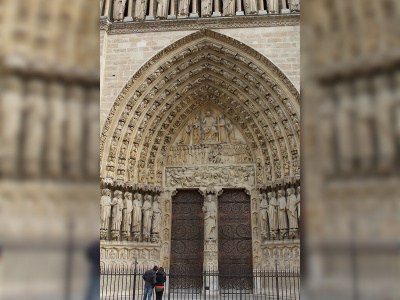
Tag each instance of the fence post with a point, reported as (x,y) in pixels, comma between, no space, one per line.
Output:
(134,282)
(205,283)
(277,281)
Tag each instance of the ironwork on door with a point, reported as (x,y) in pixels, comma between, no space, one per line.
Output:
(234,242)
(187,241)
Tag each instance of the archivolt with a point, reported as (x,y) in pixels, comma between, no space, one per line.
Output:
(204,67)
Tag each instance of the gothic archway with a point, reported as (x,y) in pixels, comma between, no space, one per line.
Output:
(173,91)
(204,67)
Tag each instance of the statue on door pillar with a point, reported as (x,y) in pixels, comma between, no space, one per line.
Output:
(210,218)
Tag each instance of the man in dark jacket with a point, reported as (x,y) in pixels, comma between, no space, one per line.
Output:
(150,281)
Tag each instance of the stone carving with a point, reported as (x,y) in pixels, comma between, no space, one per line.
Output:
(127,215)
(264,216)
(206,8)
(119,9)
(229,7)
(250,7)
(183,7)
(210,218)
(117,206)
(140,14)
(120,98)
(137,216)
(162,9)
(298,203)
(105,212)
(273,6)
(282,215)
(156,219)
(284,255)
(209,154)
(147,215)
(210,132)
(231,176)
(273,214)
(292,212)
(294,5)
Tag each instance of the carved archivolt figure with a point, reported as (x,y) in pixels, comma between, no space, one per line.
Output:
(264,215)
(147,214)
(187,134)
(183,7)
(210,131)
(119,9)
(140,10)
(127,213)
(250,6)
(117,206)
(229,7)
(105,209)
(196,130)
(282,215)
(273,6)
(156,216)
(230,132)
(273,212)
(294,5)
(221,129)
(210,218)
(162,9)
(137,214)
(292,209)
(206,8)
(298,203)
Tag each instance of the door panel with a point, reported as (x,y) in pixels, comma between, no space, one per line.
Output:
(187,241)
(234,241)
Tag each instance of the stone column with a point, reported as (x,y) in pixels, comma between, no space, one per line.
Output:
(262,10)
(129,16)
(194,13)
(151,11)
(166,207)
(239,11)
(172,14)
(217,9)
(284,9)
(107,9)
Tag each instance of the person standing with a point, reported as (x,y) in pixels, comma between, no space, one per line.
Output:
(150,280)
(161,278)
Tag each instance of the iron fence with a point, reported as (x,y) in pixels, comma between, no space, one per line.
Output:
(126,283)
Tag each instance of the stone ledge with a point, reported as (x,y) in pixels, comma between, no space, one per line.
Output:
(199,23)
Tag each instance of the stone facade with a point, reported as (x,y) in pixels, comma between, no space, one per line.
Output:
(205,107)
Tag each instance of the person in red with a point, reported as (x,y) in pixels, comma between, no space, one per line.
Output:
(161,278)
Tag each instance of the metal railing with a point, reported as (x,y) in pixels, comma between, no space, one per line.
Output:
(127,283)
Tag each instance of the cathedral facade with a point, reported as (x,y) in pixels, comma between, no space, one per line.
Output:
(200,142)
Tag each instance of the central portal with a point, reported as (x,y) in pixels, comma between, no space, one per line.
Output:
(187,242)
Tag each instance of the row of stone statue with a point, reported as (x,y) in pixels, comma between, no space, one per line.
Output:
(209,130)
(138,9)
(129,219)
(46,122)
(280,217)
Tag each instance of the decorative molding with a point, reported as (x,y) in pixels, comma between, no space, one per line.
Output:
(200,23)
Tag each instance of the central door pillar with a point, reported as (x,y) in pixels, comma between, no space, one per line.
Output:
(210,264)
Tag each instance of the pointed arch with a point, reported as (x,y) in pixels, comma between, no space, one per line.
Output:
(204,67)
